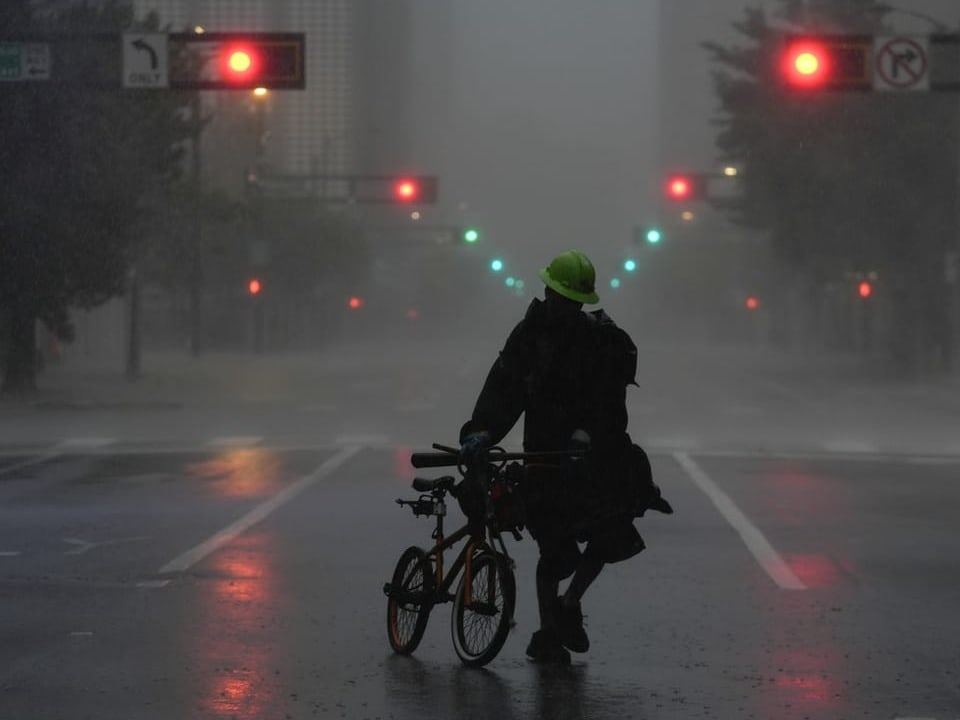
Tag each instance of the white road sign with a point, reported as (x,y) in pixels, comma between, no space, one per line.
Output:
(901,62)
(146,62)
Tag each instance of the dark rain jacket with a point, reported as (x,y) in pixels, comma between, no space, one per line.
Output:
(563,377)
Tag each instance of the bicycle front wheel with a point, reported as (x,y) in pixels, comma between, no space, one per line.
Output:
(409,600)
(480,623)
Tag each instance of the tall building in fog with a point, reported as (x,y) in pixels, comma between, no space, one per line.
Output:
(356,113)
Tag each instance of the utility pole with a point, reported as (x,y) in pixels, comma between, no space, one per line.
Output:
(195,273)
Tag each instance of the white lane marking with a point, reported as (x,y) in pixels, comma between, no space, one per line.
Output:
(86,442)
(194,555)
(81,634)
(39,460)
(851,445)
(375,440)
(153,583)
(9,553)
(82,546)
(234,441)
(756,543)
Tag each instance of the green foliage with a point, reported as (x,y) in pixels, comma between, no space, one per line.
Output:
(842,181)
(78,166)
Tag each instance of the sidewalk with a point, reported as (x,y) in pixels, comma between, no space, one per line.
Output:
(177,379)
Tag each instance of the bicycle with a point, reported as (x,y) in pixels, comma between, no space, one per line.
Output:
(485,598)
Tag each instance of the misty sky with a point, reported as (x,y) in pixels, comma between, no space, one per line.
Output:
(555,134)
(556,122)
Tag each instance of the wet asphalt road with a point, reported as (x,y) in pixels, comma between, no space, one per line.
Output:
(208,562)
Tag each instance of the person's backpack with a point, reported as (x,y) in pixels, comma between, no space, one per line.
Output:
(617,349)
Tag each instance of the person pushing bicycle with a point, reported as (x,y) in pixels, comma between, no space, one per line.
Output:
(567,372)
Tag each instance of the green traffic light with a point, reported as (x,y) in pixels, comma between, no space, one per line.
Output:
(654,236)
(630,265)
(614,283)
(471,235)
(496,265)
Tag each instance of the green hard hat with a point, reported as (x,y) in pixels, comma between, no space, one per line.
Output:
(572,275)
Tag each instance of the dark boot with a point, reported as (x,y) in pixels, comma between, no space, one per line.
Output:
(545,647)
(572,633)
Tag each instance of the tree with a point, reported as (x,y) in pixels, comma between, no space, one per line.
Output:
(77,166)
(841,181)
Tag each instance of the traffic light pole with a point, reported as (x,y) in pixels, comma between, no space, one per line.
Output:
(196,229)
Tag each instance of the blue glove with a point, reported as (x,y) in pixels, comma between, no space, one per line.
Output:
(473,446)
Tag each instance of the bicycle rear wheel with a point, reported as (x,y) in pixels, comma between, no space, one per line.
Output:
(409,600)
(480,626)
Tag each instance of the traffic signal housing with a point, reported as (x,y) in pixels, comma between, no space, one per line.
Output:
(238,61)
(827,62)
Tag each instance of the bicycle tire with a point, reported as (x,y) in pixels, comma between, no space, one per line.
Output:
(410,600)
(480,629)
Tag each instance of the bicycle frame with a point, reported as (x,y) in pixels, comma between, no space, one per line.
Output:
(489,537)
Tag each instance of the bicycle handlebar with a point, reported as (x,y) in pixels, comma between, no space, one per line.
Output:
(450,457)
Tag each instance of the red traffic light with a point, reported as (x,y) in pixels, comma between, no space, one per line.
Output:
(806,64)
(683,187)
(254,286)
(865,289)
(406,190)
(752,303)
(827,62)
(355,302)
(239,61)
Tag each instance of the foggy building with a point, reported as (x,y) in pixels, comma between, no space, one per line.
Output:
(357,113)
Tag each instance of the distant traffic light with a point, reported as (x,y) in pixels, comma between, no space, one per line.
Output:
(355,302)
(254,287)
(496,264)
(410,189)
(684,187)
(653,236)
(238,61)
(614,283)
(629,264)
(865,289)
(406,189)
(471,235)
(752,303)
(827,62)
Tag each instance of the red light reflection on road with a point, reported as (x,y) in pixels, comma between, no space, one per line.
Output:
(815,571)
(233,649)
(240,472)
(802,660)
(812,688)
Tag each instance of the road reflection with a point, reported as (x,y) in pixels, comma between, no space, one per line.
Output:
(240,472)
(233,650)
(804,668)
(417,689)
(517,690)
